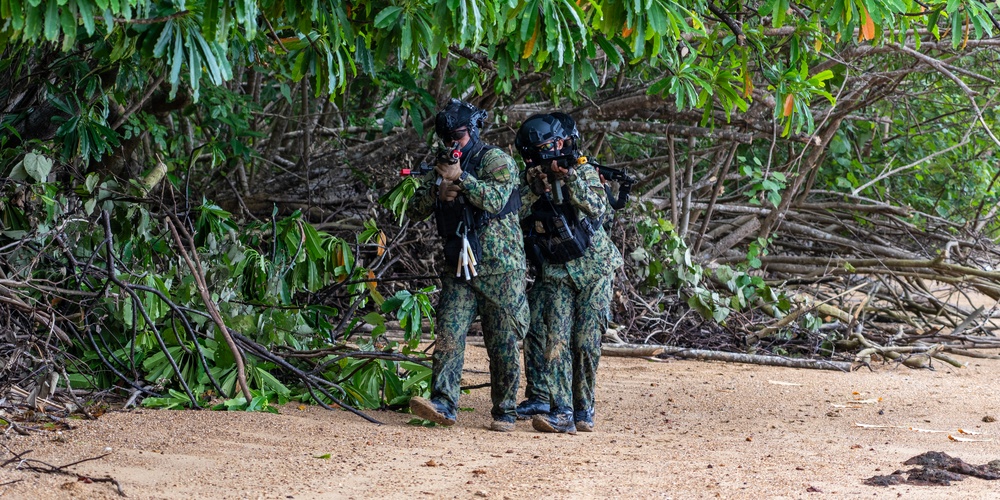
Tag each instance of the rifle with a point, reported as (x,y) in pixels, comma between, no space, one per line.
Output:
(624,180)
(421,169)
(566,161)
(443,155)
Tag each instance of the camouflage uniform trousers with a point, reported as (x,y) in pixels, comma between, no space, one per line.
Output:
(536,386)
(576,319)
(500,301)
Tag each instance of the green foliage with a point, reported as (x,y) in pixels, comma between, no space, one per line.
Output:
(201,43)
(174,400)
(397,198)
(83,127)
(33,166)
(664,262)
(149,321)
(411,98)
(689,82)
(931,158)
(411,310)
(373,383)
(260,402)
(795,91)
(811,322)
(230,65)
(763,185)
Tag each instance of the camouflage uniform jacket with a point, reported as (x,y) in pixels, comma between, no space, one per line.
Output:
(488,189)
(587,194)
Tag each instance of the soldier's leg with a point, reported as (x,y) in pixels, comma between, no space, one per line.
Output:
(558,349)
(503,309)
(455,312)
(591,320)
(559,356)
(536,390)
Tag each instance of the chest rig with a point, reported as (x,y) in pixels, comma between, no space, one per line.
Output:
(459,220)
(554,232)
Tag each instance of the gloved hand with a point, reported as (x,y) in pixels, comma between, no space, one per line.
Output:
(560,172)
(448,191)
(449,171)
(538,180)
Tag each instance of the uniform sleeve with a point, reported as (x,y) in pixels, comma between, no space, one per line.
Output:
(586,192)
(422,204)
(528,197)
(496,179)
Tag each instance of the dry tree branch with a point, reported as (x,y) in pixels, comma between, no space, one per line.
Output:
(42,467)
(112,277)
(757,359)
(213,310)
(940,66)
(138,104)
(311,381)
(884,175)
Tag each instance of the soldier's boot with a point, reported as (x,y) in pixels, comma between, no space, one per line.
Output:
(554,422)
(531,407)
(503,424)
(431,410)
(584,420)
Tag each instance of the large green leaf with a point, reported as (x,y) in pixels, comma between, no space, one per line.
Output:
(52,20)
(387,16)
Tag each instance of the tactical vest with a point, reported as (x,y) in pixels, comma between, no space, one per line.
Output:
(555,233)
(460,217)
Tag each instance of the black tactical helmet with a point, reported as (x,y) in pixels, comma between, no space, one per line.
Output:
(572,139)
(458,114)
(568,124)
(538,129)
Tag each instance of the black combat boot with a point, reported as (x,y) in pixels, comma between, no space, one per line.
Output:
(554,422)
(530,407)
(584,420)
(503,424)
(433,411)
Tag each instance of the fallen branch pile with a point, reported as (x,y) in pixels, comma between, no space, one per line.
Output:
(881,286)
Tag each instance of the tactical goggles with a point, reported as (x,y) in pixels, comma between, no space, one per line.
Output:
(546,147)
(458,134)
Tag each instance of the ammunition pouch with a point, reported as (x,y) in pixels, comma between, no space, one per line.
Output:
(555,234)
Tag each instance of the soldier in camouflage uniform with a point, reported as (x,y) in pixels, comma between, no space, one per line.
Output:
(577,270)
(536,394)
(475,198)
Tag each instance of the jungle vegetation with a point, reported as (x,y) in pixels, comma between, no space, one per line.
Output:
(200,204)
